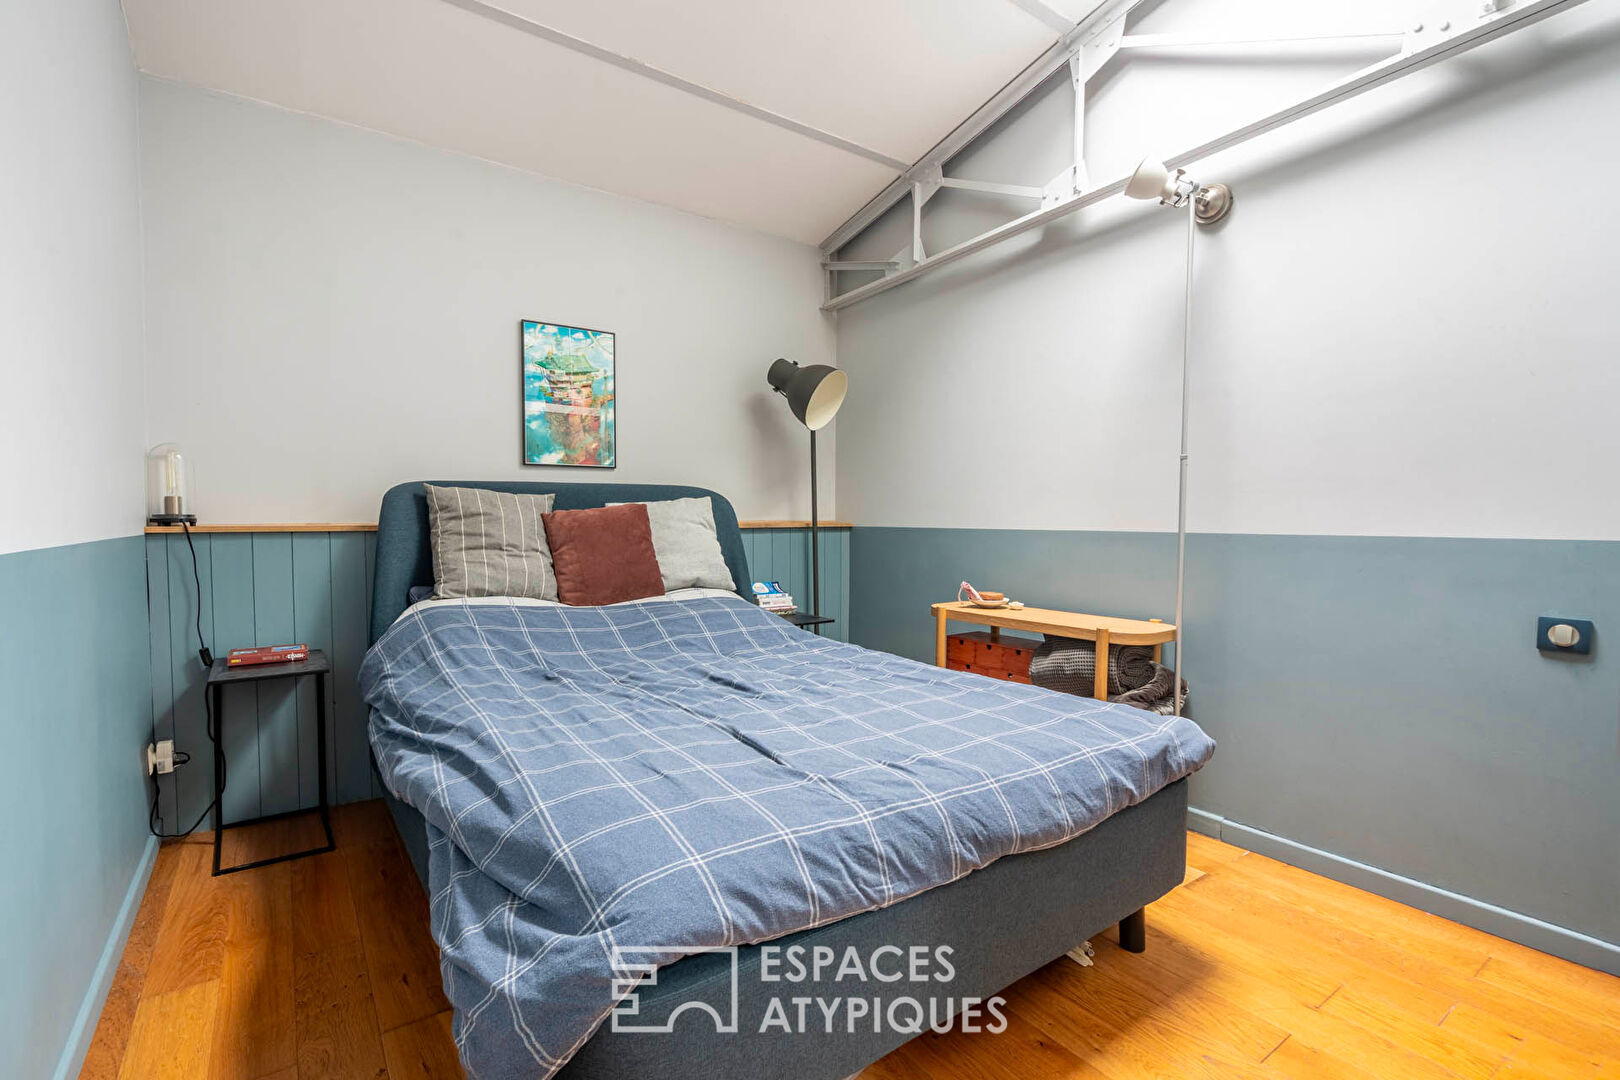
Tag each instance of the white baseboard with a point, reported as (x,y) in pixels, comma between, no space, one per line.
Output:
(1527,930)
(95,996)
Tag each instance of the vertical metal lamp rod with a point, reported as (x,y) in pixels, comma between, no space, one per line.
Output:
(815,537)
(1181,511)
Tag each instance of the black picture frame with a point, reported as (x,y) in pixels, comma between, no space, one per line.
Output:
(554,425)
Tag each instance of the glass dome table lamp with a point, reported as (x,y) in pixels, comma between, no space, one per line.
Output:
(168,486)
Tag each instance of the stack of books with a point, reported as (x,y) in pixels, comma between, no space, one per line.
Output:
(267,654)
(772,597)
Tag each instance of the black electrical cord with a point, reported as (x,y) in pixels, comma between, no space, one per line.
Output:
(202,646)
(181,756)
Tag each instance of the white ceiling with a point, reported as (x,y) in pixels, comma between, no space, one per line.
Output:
(830,96)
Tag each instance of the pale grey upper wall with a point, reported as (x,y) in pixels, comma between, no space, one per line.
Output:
(1404,328)
(332,311)
(70,278)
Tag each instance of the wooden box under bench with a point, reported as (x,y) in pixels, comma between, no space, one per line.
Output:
(999,656)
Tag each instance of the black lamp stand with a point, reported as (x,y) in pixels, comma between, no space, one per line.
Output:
(815,537)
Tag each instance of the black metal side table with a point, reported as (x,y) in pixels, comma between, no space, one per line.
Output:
(222,675)
(806,621)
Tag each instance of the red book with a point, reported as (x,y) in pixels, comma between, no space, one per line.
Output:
(267,654)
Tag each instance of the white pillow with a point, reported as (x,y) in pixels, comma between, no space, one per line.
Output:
(687,544)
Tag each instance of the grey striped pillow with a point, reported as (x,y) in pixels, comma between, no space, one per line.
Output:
(489,543)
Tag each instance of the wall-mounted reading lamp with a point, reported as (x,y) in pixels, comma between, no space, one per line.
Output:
(1152,180)
(1206,204)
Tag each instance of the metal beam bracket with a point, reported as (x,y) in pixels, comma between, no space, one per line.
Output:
(1064,185)
(1447,19)
(1100,49)
(925,184)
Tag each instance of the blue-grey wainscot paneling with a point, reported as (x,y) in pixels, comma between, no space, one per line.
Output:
(73,713)
(1378,701)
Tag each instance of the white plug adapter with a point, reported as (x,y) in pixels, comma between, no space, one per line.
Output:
(160,757)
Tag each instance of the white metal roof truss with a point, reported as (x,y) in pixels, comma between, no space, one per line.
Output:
(1449,28)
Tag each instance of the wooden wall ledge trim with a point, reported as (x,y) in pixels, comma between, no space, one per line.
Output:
(363,526)
(287,527)
(805,524)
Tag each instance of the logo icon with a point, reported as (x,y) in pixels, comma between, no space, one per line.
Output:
(635,970)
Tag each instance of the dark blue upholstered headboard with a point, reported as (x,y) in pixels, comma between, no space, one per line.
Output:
(404,557)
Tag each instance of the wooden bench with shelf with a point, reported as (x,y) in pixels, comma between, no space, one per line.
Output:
(1105,630)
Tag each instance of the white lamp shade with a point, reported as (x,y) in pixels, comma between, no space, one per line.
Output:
(814,393)
(824,403)
(1151,180)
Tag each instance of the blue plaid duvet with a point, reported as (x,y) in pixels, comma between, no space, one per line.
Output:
(698,773)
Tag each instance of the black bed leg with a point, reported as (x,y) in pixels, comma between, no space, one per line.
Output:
(1133,931)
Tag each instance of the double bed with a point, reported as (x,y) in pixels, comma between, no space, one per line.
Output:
(688,787)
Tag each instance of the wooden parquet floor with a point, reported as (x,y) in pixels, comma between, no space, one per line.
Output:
(323,968)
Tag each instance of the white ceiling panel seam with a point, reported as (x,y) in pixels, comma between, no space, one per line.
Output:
(668,78)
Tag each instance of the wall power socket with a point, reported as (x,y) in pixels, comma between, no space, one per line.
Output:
(160,757)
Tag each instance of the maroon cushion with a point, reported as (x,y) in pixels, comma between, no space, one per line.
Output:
(603,556)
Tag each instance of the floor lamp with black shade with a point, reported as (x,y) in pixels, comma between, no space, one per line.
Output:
(814,393)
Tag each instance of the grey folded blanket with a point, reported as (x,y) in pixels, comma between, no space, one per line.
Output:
(1070,666)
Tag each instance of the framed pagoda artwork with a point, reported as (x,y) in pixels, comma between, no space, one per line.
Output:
(567,396)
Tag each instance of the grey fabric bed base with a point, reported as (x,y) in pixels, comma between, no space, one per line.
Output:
(1002,923)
